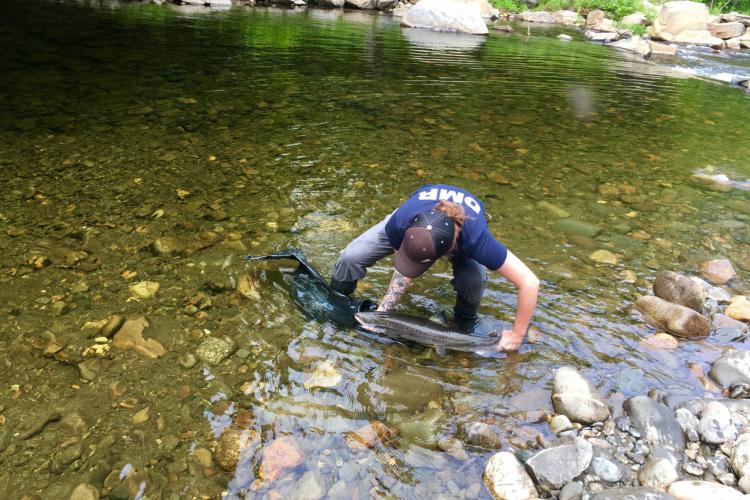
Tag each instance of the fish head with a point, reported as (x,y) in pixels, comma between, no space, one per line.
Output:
(369,321)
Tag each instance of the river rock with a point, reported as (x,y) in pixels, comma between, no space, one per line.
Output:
(674,318)
(506,478)
(655,421)
(715,182)
(634,44)
(740,458)
(85,491)
(679,289)
(658,473)
(578,227)
(726,30)
(553,210)
(130,336)
(482,435)
(235,445)
(595,18)
(662,49)
(661,341)
(732,367)
(335,4)
(324,375)
(603,37)
(557,465)
(144,289)
(168,246)
(702,490)
(716,425)
(739,308)
(635,18)
(537,17)
(606,469)
(572,491)
(702,37)
(718,272)
(576,398)
(689,423)
(311,486)
(560,423)
(446,15)
(370,435)
(281,454)
(214,350)
(422,428)
(634,493)
(567,17)
(605,257)
(676,17)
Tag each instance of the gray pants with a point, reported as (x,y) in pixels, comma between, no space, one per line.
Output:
(469,276)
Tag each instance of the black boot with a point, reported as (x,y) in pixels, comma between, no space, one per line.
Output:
(343,287)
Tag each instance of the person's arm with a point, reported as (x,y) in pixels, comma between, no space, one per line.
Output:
(399,284)
(520,275)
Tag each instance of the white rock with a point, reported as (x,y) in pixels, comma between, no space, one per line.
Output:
(676,17)
(564,37)
(703,490)
(596,36)
(575,397)
(635,18)
(698,37)
(741,456)
(716,425)
(567,17)
(537,17)
(446,15)
(506,478)
(658,473)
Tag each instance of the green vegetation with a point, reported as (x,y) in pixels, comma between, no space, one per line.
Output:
(508,5)
(616,9)
(721,6)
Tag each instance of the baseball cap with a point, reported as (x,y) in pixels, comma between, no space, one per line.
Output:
(428,237)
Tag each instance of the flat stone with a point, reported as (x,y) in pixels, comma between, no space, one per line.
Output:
(599,36)
(144,289)
(689,423)
(662,49)
(634,44)
(130,336)
(716,425)
(661,341)
(506,479)
(556,466)
(679,289)
(576,398)
(635,493)
(726,31)
(85,491)
(605,257)
(718,272)
(718,182)
(674,318)
(696,490)
(655,421)
(577,227)
(560,423)
(739,308)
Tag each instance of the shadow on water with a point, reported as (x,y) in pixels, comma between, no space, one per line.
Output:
(142,144)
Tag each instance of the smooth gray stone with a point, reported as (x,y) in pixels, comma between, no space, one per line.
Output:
(558,465)
(655,421)
(679,289)
(732,367)
(630,494)
(577,227)
(606,470)
(572,491)
(716,424)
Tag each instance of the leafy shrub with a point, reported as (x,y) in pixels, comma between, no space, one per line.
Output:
(508,5)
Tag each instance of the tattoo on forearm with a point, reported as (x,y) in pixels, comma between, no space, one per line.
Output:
(396,289)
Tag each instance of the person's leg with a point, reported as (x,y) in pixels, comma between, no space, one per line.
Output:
(364,251)
(469,281)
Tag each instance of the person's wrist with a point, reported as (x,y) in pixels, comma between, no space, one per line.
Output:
(518,334)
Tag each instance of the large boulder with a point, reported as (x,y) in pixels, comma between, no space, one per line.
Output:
(655,421)
(567,17)
(506,478)
(446,15)
(486,10)
(676,17)
(694,490)
(726,31)
(732,367)
(674,318)
(575,397)
(741,456)
(635,18)
(556,466)
(543,17)
(698,37)
(679,289)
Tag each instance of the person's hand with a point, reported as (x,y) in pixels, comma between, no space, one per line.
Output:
(510,341)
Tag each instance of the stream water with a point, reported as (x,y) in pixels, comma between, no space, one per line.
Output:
(252,130)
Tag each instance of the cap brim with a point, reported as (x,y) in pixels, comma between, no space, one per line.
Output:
(408,267)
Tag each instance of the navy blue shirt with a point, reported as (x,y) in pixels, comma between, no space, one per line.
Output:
(474,241)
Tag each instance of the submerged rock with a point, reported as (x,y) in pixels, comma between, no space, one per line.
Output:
(739,308)
(446,15)
(311,486)
(280,455)
(85,491)
(324,375)
(483,435)
(233,445)
(214,350)
(716,425)
(674,318)
(634,44)
(506,478)
(655,422)
(693,490)
(732,367)
(576,398)
(679,289)
(718,272)
(130,336)
(719,182)
(144,289)
(557,465)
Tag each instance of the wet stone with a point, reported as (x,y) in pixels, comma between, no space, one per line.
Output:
(311,486)
(679,289)
(606,470)
(716,424)
(689,424)
(732,367)
(556,466)
(576,398)
(718,272)
(482,435)
(655,421)
(130,336)
(572,491)
(85,491)
(506,478)
(214,350)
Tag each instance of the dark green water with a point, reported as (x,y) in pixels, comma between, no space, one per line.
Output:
(303,128)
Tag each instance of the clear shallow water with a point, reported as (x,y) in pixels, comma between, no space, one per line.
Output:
(303,128)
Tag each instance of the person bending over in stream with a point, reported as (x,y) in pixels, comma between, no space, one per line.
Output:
(440,220)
